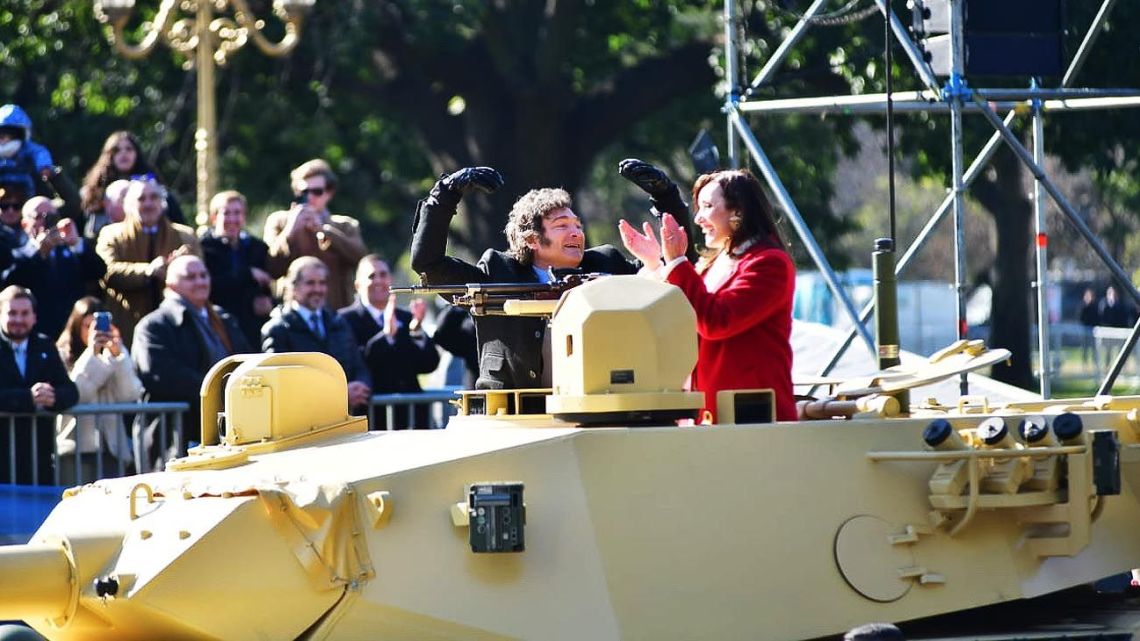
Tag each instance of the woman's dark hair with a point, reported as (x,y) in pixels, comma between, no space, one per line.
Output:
(744,195)
(103,172)
(70,342)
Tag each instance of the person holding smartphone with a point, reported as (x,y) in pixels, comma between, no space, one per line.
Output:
(56,263)
(307,228)
(97,361)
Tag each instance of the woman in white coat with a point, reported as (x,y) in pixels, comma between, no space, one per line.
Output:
(103,371)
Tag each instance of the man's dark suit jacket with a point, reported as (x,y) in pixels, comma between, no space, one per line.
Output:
(510,347)
(43,366)
(289,332)
(393,366)
(455,332)
(57,281)
(172,357)
(231,278)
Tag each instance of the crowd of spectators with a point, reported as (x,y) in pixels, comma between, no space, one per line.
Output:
(87,273)
(1109,311)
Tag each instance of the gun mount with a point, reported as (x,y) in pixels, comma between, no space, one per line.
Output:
(293,522)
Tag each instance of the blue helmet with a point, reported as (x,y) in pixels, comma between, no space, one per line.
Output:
(13,116)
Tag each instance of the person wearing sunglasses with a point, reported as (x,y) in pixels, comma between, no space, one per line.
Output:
(12,198)
(307,228)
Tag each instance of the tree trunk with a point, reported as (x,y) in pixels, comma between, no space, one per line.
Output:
(1003,194)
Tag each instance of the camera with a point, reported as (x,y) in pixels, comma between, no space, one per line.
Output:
(102,321)
(51,219)
(302,197)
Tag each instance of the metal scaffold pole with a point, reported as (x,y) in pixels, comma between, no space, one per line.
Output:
(956,99)
(1041,246)
(955,89)
(732,87)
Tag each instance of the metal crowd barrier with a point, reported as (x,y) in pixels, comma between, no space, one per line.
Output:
(168,415)
(164,420)
(1107,342)
(437,399)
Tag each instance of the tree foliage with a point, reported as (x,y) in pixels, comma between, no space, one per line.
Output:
(395,92)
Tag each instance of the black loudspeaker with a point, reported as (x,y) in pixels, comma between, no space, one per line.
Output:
(1002,38)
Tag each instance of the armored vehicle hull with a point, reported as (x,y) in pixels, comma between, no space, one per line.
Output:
(779,531)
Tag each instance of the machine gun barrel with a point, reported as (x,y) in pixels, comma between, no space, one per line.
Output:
(490,299)
(39,581)
(488,288)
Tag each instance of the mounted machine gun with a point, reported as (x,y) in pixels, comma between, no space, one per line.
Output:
(505,299)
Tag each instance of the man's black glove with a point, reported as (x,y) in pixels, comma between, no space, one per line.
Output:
(469,179)
(652,180)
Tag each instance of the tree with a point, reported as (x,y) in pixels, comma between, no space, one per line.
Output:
(395,92)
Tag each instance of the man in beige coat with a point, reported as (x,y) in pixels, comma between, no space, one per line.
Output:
(308,229)
(137,252)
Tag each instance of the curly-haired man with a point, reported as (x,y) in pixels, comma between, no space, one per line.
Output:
(544,235)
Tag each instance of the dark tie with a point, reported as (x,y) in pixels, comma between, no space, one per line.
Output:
(21,354)
(315,322)
(150,248)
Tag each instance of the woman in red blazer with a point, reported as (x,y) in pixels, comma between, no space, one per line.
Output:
(741,289)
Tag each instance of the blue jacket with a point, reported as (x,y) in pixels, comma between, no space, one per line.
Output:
(23,167)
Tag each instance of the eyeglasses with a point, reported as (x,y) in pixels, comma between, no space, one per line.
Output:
(315,191)
(15,206)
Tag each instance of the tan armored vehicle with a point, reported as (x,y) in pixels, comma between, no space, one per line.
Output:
(540,515)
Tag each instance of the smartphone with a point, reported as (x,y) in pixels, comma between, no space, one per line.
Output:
(51,220)
(301,198)
(102,321)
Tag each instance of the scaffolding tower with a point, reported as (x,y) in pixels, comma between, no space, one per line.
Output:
(955,97)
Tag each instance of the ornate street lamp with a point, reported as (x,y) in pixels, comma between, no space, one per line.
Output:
(211,39)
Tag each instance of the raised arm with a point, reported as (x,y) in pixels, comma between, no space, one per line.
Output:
(433,218)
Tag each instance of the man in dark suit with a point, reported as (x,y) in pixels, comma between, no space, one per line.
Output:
(305,325)
(240,272)
(544,235)
(396,349)
(1112,311)
(58,265)
(32,378)
(175,345)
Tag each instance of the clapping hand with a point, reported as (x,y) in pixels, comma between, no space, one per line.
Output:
(418,307)
(642,244)
(390,324)
(469,179)
(674,240)
(645,246)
